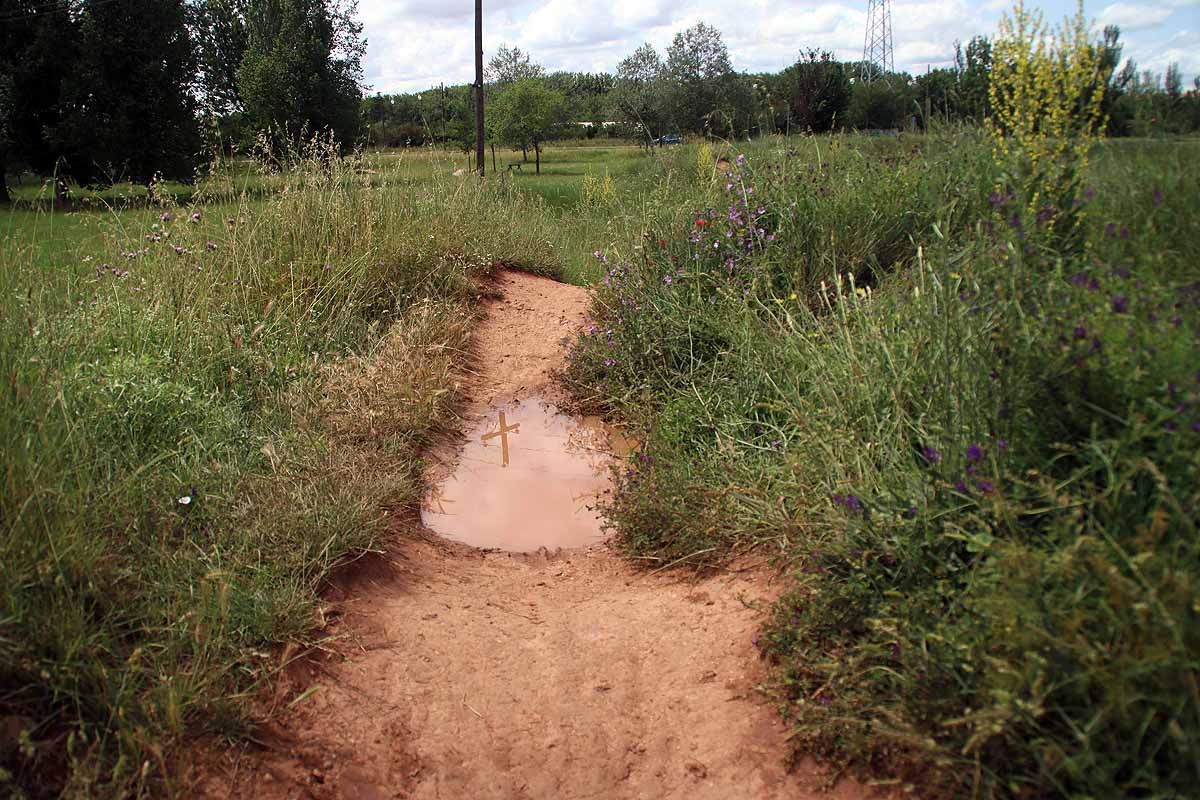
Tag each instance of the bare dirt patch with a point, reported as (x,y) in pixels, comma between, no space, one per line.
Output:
(470,674)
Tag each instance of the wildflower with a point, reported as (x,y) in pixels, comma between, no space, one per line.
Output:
(195,217)
(1002,445)
(850,502)
(741,159)
(1157,198)
(667,280)
(1120,304)
(974,454)
(1110,229)
(962,488)
(1080,332)
(996,199)
(701,223)
(210,245)
(931,455)
(186,500)
(985,486)
(911,513)
(166,217)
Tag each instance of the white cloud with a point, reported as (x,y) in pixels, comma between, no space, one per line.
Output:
(1135,16)
(415,44)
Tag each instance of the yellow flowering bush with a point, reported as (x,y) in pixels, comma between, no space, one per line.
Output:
(1046,90)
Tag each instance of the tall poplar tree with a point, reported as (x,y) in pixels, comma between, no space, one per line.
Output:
(127,110)
(302,71)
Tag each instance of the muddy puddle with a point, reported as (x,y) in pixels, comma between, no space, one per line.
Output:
(528,477)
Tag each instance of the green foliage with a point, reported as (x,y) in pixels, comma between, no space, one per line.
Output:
(978,460)
(205,410)
(640,93)
(705,94)
(526,115)
(876,105)
(818,92)
(127,112)
(302,69)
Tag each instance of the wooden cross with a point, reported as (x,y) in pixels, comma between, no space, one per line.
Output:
(503,434)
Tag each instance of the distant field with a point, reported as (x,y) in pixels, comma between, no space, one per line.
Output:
(122,212)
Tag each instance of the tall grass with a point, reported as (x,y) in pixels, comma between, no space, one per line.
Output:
(972,444)
(200,418)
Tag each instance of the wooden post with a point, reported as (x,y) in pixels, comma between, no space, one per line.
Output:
(479,160)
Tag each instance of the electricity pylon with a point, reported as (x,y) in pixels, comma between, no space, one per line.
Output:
(877,57)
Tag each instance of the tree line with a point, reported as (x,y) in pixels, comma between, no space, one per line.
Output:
(693,89)
(94,92)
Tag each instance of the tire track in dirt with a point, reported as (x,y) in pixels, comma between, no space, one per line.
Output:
(470,674)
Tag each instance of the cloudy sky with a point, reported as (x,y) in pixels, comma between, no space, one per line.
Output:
(415,44)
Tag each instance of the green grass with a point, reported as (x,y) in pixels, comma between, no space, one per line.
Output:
(200,419)
(972,446)
(1016,621)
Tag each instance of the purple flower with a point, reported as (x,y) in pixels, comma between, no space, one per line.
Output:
(195,217)
(850,502)
(1120,304)
(985,486)
(1080,332)
(962,488)
(1002,445)
(931,455)
(974,454)
(166,217)
(1157,198)
(211,245)
(996,199)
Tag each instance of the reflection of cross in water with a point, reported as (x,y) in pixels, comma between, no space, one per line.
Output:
(438,497)
(503,434)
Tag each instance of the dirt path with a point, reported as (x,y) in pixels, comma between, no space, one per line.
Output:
(467,674)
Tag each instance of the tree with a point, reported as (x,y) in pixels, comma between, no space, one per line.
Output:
(219,30)
(641,92)
(126,109)
(974,67)
(818,91)
(701,76)
(38,47)
(526,114)
(510,65)
(302,70)
(878,104)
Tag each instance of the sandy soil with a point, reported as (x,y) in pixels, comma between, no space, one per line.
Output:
(470,674)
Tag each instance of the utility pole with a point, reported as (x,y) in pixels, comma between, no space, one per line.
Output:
(479,160)
(877,57)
